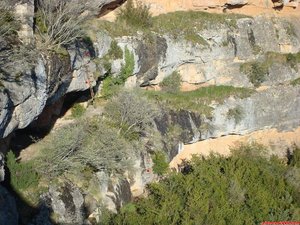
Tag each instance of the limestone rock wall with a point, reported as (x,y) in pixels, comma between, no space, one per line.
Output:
(22,100)
(277,107)
(219,60)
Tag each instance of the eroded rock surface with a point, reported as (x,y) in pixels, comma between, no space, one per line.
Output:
(22,100)
(220,57)
(67,203)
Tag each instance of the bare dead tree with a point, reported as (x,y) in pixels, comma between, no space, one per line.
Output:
(58,22)
(131,112)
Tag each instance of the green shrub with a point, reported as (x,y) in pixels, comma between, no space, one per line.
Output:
(22,175)
(128,68)
(137,16)
(293,60)
(86,143)
(236,114)
(295,160)
(295,82)
(239,189)
(171,83)
(160,164)
(255,71)
(40,25)
(115,52)
(112,84)
(77,110)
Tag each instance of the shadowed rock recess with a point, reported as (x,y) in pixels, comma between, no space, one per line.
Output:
(239,78)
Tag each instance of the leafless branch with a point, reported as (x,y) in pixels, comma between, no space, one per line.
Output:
(58,22)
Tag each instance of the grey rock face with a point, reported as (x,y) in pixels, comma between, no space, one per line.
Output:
(8,210)
(273,108)
(22,102)
(219,61)
(24,11)
(82,66)
(67,204)
(114,192)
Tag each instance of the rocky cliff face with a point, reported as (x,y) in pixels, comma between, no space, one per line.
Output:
(227,54)
(221,56)
(218,60)
(256,52)
(23,99)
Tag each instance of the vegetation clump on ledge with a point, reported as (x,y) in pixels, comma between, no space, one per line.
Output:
(257,71)
(200,99)
(180,24)
(172,83)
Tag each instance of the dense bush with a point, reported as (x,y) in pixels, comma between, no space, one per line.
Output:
(130,112)
(22,175)
(293,60)
(245,188)
(86,143)
(138,16)
(160,164)
(77,110)
(171,84)
(256,72)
